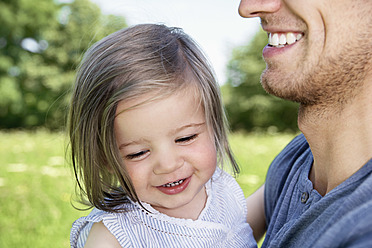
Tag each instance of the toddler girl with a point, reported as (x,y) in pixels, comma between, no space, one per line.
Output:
(148,138)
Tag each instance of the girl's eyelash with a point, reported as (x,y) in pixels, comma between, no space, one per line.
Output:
(135,155)
(180,140)
(186,139)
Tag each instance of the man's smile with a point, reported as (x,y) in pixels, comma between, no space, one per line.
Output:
(283,39)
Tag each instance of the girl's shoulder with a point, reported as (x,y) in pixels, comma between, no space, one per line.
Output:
(224,183)
(225,199)
(100,236)
(98,219)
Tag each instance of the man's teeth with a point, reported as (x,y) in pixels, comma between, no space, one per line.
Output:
(279,40)
(168,185)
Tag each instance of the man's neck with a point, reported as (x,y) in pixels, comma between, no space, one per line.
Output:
(340,140)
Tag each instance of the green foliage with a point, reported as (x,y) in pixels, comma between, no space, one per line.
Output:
(254,153)
(36,184)
(41,44)
(248,106)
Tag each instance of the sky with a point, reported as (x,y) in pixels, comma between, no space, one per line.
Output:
(214,24)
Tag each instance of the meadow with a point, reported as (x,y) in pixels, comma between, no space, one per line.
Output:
(36,183)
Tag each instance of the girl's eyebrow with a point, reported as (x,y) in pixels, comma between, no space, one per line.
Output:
(134,142)
(139,141)
(197,125)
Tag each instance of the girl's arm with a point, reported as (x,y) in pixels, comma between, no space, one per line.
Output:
(100,236)
(256,213)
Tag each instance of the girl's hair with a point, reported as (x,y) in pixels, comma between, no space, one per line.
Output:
(124,65)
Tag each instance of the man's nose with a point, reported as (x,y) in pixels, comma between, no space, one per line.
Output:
(255,8)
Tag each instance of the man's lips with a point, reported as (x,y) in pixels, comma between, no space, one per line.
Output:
(280,42)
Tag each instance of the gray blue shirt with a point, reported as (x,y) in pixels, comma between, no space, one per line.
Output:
(298,216)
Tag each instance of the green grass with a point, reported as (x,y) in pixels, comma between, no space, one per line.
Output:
(36,183)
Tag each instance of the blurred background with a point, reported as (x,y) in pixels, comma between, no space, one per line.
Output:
(42,43)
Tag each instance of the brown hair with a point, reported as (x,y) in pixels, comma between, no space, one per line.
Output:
(128,63)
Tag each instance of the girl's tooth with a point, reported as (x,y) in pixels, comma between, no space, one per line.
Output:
(168,185)
(299,36)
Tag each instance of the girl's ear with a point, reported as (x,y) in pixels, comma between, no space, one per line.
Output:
(110,169)
(109,164)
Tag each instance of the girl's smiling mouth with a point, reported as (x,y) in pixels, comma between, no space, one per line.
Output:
(174,187)
(176,183)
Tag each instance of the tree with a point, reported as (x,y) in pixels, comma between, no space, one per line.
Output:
(41,44)
(248,106)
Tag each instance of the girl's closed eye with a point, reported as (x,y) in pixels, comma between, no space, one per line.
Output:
(187,139)
(137,155)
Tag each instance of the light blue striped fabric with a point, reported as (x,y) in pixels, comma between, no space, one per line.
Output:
(221,223)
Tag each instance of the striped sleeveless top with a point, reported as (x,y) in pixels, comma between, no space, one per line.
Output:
(222,223)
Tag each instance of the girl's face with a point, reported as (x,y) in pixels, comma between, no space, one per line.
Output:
(168,151)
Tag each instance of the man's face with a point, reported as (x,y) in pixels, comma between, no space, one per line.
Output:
(318,50)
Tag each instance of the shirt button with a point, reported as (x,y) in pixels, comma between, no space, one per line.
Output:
(304,197)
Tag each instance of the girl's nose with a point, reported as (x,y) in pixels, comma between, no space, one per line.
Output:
(167,162)
(255,8)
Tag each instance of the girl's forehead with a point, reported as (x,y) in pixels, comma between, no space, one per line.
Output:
(142,116)
(189,91)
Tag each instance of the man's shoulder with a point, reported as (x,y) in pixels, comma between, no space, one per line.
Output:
(352,229)
(294,157)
